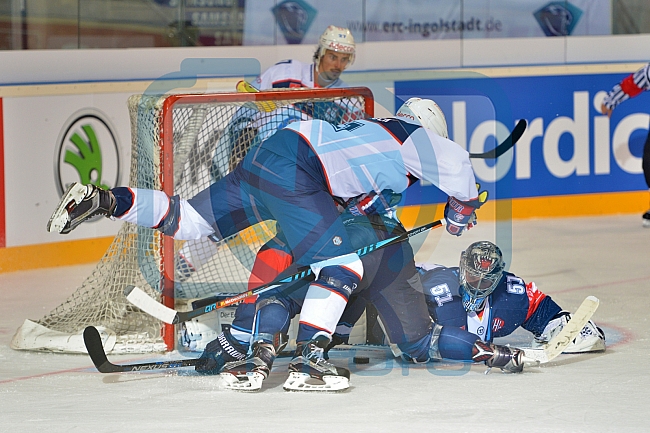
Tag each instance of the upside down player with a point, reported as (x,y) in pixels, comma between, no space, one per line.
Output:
(631,86)
(294,178)
(482,298)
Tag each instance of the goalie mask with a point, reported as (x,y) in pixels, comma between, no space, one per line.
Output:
(424,112)
(337,39)
(481,269)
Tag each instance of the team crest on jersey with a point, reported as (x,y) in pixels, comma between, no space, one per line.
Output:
(497,324)
(336,240)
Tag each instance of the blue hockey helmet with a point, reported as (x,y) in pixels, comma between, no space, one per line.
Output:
(481,269)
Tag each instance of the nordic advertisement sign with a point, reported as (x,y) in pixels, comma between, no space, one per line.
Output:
(569,147)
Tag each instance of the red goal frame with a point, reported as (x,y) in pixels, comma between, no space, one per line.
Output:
(167,159)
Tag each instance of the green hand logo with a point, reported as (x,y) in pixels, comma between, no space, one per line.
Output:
(88,160)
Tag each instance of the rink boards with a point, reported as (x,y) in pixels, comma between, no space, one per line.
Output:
(572,160)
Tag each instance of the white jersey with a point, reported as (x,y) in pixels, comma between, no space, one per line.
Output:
(290,74)
(376,154)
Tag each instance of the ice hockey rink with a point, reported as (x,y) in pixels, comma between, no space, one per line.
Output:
(569,259)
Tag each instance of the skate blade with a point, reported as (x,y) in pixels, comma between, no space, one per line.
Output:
(76,192)
(298,382)
(251,382)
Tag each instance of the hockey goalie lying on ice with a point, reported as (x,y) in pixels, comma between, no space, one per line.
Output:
(463,302)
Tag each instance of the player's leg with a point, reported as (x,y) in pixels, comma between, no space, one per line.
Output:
(78,204)
(291,185)
(222,209)
(270,326)
(273,258)
(645,163)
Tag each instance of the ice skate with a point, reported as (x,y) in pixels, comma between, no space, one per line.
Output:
(248,374)
(78,204)
(646,218)
(309,366)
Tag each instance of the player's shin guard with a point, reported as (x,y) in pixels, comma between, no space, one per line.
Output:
(509,360)
(309,363)
(326,299)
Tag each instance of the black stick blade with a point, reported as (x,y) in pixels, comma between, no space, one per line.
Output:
(93,342)
(506,145)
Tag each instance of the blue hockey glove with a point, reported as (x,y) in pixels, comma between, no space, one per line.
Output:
(461,214)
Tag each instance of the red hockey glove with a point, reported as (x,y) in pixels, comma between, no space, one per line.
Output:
(460,214)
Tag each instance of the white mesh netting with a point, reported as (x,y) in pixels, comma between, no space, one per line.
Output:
(208,140)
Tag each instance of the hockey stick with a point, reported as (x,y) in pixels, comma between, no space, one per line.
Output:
(140,299)
(570,331)
(93,343)
(505,145)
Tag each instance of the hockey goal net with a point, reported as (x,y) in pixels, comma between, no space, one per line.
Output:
(180,145)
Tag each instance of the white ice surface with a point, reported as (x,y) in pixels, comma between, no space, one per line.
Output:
(608,257)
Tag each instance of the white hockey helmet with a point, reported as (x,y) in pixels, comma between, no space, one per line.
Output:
(424,112)
(337,39)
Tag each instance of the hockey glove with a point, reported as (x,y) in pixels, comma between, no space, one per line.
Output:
(461,214)
(376,204)
(245,87)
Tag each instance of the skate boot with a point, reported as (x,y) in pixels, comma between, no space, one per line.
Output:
(248,374)
(80,203)
(646,218)
(508,359)
(309,363)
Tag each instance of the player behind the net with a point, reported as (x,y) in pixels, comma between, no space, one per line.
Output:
(294,177)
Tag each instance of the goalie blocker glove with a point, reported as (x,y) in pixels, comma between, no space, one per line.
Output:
(461,214)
